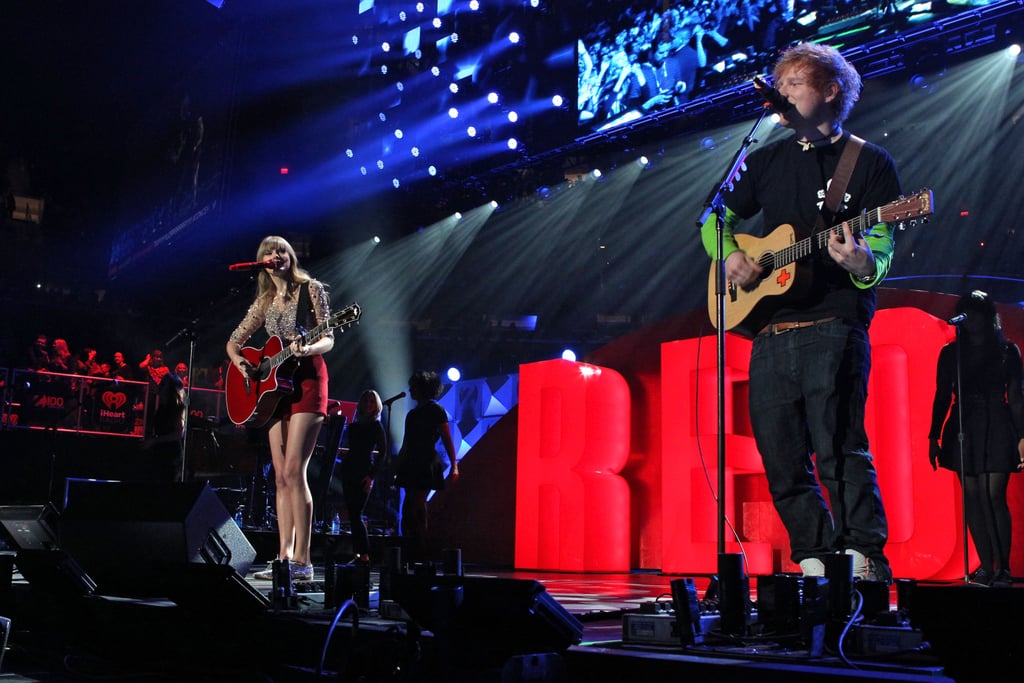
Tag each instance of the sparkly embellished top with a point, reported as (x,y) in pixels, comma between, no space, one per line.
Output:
(278,318)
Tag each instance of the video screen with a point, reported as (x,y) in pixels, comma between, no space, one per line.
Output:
(636,58)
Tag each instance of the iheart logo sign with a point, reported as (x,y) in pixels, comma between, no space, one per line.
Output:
(114,399)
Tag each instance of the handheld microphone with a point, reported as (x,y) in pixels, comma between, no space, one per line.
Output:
(957,319)
(254,265)
(772,97)
(394,398)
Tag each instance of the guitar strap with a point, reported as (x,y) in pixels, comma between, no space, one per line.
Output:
(840,179)
(304,312)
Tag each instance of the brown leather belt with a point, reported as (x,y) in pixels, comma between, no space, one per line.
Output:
(781,328)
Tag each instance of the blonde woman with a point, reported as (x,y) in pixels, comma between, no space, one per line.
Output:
(295,424)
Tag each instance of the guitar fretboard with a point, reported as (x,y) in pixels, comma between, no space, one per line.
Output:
(819,240)
(347,316)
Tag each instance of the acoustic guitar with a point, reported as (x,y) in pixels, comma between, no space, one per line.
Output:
(252,397)
(748,309)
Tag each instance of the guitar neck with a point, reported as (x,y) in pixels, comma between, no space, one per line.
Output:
(819,240)
(311,337)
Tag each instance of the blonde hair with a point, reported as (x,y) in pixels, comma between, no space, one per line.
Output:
(265,287)
(373,404)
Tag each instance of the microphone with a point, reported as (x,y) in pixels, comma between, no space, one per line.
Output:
(957,319)
(393,399)
(772,97)
(254,265)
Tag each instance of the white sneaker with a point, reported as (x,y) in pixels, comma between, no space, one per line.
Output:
(265,574)
(860,563)
(812,566)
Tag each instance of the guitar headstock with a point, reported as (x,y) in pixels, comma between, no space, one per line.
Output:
(346,317)
(904,209)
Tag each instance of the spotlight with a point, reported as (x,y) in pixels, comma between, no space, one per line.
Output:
(349,153)
(382,116)
(513,38)
(471,131)
(557,101)
(568,354)
(399,134)
(453,88)
(419,7)
(1014,50)
(453,113)
(415,151)
(435,71)
(474,5)
(437,22)
(494,204)
(596,173)
(376,239)
(457,215)
(454,374)
(644,161)
(386,46)
(355,40)
(513,117)
(399,86)
(432,170)
(492,97)
(512,143)
(535,3)
(362,169)
(395,182)
(384,69)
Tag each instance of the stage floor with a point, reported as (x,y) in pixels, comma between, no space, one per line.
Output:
(230,629)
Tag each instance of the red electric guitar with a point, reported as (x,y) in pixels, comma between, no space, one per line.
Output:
(252,398)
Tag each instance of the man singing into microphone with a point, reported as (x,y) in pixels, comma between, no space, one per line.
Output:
(811,353)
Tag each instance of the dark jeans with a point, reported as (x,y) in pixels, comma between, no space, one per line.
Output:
(808,388)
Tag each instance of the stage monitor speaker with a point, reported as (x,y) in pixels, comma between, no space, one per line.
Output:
(139,539)
(31,531)
(493,615)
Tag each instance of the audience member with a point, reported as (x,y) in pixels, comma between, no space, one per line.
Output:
(61,359)
(120,368)
(39,353)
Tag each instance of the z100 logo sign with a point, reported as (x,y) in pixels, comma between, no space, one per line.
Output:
(49,402)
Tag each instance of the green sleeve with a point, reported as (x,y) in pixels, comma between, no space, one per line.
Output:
(709,236)
(880,239)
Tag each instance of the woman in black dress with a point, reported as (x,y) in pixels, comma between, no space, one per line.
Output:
(993,432)
(365,436)
(419,469)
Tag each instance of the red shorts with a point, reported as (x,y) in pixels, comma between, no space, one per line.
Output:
(309,389)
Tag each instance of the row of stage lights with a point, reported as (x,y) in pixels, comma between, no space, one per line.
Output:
(417,154)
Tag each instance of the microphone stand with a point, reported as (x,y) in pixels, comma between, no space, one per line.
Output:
(716,205)
(188,332)
(960,439)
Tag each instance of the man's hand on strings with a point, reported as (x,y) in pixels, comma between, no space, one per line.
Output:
(851,253)
(741,269)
